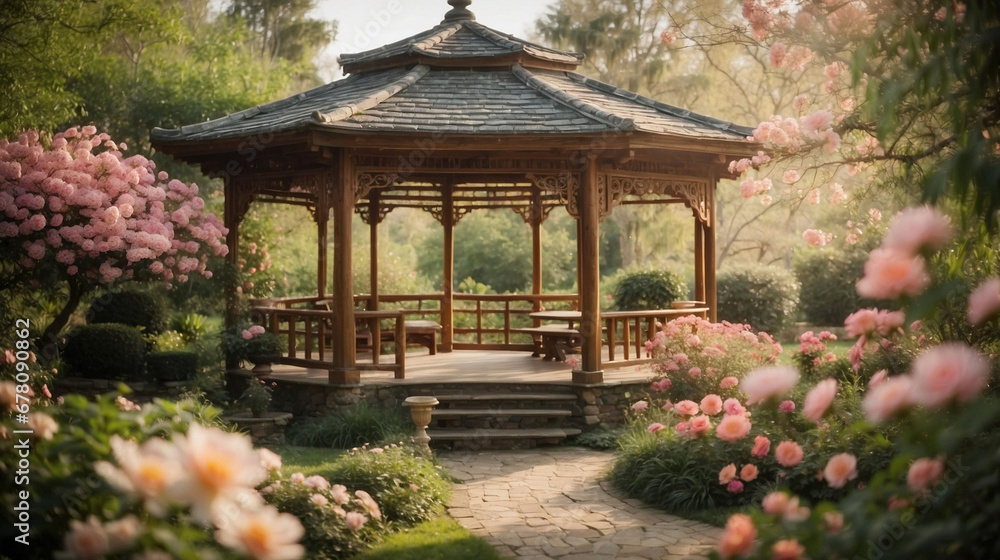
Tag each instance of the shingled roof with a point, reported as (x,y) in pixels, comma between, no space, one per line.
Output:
(461,77)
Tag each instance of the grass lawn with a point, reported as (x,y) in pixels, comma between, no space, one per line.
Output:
(306,460)
(438,539)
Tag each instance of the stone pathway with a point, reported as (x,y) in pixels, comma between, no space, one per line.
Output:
(544,503)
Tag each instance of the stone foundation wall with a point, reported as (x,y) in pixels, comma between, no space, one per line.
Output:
(142,391)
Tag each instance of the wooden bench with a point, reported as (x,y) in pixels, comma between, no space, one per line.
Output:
(419,332)
(554,341)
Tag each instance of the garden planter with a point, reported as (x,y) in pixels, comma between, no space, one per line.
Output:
(262,363)
(420,411)
(267,429)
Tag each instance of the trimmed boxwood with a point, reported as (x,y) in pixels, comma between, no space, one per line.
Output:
(765,297)
(648,289)
(106,351)
(129,307)
(172,366)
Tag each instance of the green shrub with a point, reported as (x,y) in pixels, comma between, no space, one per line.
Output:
(172,366)
(440,539)
(827,279)
(352,427)
(191,326)
(407,487)
(601,438)
(107,351)
(129,307)
(648,289)
(167,341)
(762,296)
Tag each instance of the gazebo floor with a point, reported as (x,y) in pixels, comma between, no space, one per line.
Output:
(469,366)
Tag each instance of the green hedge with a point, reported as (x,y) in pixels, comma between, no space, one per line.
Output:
(828,279)
(172,366)
(129,307)
(762,296)
(648,289)
(106,351)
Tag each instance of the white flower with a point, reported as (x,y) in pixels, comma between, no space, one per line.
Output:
(85,540)
(264,534)
(43,425)
(269,459)
(146,471)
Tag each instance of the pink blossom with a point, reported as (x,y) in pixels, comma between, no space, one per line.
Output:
(667,38)
(840,469)
(766,382)
(787,549)
(833,521)
(837,194)
(819,398)
(640,406)
(700,425)
(889,321)
(740,533)
(655,427)
(247,335)
(777,54)
(816,237)
(878,378)
(749,472)
(668,406)
(775,503)
(984,301)
(788,454)
(816,122)
(916,228)
(733,407)
(662,384)
(951,371)
(727,473)
(800,101)
(786,406)
(711,405)
(923,472)
(862,322)
(728,382)
(686,408)
(733,427)
(886,398)
(734,487)
(790,177)
(695,371)
(683,429)
(354,521)
(890,274)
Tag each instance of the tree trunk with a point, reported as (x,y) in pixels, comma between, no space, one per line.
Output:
(48,343)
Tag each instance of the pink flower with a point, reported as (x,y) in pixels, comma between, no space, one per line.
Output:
(984,301)
(861,322)
(787,406)
(749,472)
(890,273)
(924,472)
(949,371)
(916,228)
(728,381)
(839,469)
(680,358)
(833,521)
(354,521)
(711,405)
(761,447)
(775,503)
(733,427)
(890,321)
(738,537)
(700,425)
(668,406)
(640,406)
(734,487)
(886,398)
(733,407)
(727,473)
(340,494)
(683,429)
(694,372)
(879,377)
(662,384)
(655,427)
(766,382)
(777,54)
(686,408)
(819,398)
(788,454)
(787,549)
(247,335)
(815,237)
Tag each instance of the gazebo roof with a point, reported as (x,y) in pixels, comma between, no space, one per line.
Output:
(459,78)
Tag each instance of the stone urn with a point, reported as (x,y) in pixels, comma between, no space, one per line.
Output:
(420,411)
(262,363)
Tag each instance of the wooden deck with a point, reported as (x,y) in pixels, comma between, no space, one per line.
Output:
(468,366)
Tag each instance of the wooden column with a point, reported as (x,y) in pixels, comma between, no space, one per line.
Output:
(343,370)
(711,297)
(322,217)
(373,218)
(448,272)
(590,278)
(536,247)
(699,260)
(579,267)
(232,216)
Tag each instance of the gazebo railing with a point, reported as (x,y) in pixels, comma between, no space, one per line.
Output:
(631,329)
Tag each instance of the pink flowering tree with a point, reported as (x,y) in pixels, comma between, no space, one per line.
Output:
(78,212)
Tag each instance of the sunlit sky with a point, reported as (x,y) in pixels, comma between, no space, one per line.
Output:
(366,24)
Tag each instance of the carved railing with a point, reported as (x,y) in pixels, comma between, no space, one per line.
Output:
(631,329)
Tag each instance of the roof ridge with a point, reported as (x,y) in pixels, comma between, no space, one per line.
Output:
(494,36)
(592,111)
(372,99)
(509,40)
(671,110)
(447,31)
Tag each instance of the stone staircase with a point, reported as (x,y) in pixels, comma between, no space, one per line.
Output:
(503,419)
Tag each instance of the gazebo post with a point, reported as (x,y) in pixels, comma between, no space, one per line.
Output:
(699,260)
(232,216)
(448,272)
(322,239)
(590,286)
(711,286)
(343,370)
(373,214)
(536,247)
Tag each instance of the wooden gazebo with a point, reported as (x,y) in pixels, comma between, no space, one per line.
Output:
(454,119)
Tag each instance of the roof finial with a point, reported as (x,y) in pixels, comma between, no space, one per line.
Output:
(459,11)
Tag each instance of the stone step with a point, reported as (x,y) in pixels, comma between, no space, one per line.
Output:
(481,397)
(447,413)
(495,434)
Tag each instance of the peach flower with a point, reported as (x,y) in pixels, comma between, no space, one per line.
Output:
(788,453)
(733,427)
(749,472)
(269,459)
(839,469)
(727,473)
(711,405)
(354,521)
(738,537)
(733,406)
(916,228)
(683,429)
(775,503)
(786,406)
(700,425)
(728,381)
(984,301)
(686,408)
(819,398)
(761,447)
(886,398)
(924,472)
(787,549)
(833,521)
(767,382)
(86,540)
(949,371)
(655,427)
(861,322)
(640,406)
(146,471)
(890,274)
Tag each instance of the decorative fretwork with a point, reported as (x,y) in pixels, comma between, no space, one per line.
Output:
(456,216)
(365,182)
(527,213)
(673,168)
(404,167)
(566,185)
(693,192)
(364,211)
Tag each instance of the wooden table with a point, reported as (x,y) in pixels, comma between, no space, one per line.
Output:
(568,316)
(554,340)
